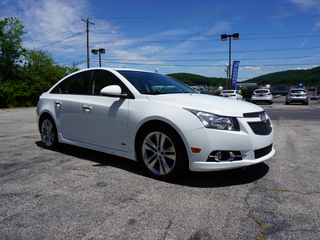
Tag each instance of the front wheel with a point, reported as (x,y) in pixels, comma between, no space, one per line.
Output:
(48,133)
(161,152)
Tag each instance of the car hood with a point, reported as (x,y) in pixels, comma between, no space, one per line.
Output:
(207,103)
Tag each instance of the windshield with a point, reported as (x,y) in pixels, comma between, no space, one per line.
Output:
(154,83)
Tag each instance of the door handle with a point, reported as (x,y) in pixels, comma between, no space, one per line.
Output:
(86,107)
(58,103)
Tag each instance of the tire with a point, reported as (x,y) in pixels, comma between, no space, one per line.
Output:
(161,152)
(48,132)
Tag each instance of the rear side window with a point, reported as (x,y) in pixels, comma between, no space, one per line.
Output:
(76,84)
(298,91)
(228,92)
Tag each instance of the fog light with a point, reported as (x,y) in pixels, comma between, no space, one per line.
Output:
(218,156)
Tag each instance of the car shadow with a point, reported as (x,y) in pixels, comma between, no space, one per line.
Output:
(215,179)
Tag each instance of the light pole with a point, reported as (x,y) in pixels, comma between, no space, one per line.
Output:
(100,51)
(227,71)
(224,37)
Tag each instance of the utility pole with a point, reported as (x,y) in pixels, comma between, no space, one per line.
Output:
(87,21)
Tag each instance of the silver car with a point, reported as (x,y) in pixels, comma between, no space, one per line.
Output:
(299,95)
(262,95)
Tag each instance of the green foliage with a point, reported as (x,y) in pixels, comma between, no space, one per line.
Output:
(11,30)
(247,93)
(24,74)
(193,79)
(309,77)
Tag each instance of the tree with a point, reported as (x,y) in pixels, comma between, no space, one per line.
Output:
(38,74)
(11,30)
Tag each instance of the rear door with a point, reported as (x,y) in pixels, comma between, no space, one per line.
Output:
(67,101)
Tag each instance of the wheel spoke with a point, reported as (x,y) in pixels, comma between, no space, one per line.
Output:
(164,168)
(149,145)
(151,162)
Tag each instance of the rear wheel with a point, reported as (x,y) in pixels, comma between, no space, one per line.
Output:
(48,133)
(161,152)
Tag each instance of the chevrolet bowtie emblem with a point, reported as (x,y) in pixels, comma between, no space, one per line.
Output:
(263,118)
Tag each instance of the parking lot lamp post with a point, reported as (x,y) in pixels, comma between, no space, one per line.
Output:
(227,71)
(100,51)
(224,37)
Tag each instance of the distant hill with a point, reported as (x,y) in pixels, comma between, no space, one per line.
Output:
(194,79)
(309,77)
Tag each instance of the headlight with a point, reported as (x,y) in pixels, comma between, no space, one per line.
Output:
(214,121)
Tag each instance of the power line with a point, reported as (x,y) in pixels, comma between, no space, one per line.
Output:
(58,41)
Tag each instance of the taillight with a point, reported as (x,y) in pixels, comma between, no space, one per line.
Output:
(269,93)
(233,95)
(253,94)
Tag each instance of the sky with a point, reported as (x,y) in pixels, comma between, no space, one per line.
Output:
(174,36)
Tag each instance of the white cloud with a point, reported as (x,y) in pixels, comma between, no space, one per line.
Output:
(256,69)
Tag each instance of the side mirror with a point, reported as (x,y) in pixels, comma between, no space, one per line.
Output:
(113,91)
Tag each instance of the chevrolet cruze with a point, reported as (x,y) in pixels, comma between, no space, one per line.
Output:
(153,119)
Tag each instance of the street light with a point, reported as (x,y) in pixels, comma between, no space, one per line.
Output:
(224,37)
(100,51)
(227,71)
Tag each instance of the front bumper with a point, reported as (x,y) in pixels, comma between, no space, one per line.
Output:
(253,143)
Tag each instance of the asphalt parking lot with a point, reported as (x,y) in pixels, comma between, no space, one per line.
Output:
(75,193)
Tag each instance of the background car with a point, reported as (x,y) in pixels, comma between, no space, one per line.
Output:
(153,119)
(232,94)
(314,98)
(262,95)
(297,95)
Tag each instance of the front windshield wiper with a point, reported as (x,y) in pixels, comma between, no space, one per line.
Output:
(154,93)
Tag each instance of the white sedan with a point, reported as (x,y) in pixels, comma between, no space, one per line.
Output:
(231,94)
(262,95)
(153,119)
